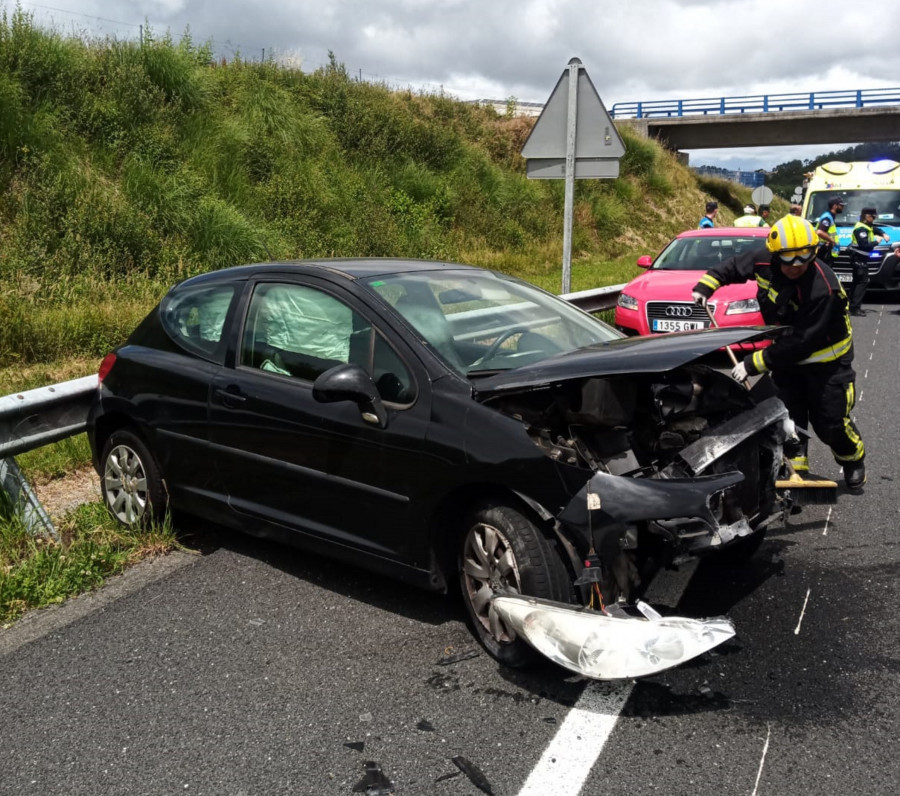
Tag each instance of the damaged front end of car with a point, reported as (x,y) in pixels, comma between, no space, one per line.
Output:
(681,462)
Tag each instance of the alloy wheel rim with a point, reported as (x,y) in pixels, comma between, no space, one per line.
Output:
(125,482)
(489,566)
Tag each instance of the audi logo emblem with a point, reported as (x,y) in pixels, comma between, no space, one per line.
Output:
(679,312)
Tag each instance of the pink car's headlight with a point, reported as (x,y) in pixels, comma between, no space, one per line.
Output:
(742,306)
(627,302)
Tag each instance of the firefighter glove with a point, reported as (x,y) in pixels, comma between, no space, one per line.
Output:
(739,372)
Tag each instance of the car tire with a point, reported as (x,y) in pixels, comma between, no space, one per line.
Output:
(133,489)
(502,549)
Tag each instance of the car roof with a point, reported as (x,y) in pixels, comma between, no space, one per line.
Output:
(351,268)
(725,232)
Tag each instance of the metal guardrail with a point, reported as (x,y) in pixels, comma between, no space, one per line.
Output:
(34,418)
(596,300)
(758,103)
(30,420)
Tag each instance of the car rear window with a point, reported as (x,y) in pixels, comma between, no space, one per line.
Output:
(195,317)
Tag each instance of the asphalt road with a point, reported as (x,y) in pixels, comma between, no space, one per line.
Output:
(258,669)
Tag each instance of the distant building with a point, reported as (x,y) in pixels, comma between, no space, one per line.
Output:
(751,179)
(518,108)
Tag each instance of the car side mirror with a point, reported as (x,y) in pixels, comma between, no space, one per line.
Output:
(645,261)
(351,383)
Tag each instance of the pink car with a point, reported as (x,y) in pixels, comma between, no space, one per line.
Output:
(660,300)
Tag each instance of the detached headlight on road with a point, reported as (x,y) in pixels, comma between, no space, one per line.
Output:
(610,645)
(740,307)
(627,302)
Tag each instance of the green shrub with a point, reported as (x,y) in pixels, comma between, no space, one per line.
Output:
(641,154)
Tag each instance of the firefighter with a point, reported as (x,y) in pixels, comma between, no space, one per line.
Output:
(810,362)
(863,239)
(826,230)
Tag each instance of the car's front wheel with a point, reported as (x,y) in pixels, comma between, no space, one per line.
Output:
(503,550)
(131,483)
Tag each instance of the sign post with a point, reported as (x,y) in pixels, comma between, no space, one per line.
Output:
(573,138)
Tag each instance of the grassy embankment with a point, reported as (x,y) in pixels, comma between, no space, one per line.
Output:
(124,169)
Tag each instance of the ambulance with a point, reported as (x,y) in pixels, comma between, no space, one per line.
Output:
(860,184)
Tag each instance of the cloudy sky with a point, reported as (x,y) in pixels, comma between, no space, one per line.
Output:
(633,50)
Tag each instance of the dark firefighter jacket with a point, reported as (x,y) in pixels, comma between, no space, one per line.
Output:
(814,306)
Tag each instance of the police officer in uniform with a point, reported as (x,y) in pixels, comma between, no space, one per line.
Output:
(826,229)
(863,239)
(709,220)
(811,361)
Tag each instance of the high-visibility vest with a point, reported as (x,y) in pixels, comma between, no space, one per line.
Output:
(748,221)
(832,230)
(856,254)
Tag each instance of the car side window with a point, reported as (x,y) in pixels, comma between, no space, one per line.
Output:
(195,318)
(301,331)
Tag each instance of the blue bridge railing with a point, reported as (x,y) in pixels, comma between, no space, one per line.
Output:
(760,103)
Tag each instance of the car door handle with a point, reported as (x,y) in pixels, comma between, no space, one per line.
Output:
(230,396)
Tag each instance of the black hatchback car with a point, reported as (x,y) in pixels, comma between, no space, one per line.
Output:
(437,422)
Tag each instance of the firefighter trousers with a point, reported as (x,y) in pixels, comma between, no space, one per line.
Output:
(823,396)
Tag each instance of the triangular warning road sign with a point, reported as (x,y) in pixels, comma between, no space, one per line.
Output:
(595,134)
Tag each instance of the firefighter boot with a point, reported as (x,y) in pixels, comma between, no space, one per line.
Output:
(855,475)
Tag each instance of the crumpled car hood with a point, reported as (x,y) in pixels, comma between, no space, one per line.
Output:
(651,354)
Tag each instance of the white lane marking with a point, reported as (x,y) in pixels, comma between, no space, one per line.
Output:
(866,375)
(827,520)
(802,612)
(567,761)
(762,761)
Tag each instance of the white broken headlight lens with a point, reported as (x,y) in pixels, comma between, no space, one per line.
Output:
(610,646)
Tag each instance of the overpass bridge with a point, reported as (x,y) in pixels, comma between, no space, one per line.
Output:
(824,117)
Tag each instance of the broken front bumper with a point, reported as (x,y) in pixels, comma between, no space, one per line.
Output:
(684,500)
(686,505)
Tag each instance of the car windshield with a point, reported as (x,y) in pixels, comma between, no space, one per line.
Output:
(885,201)
(482,322)
(702,253)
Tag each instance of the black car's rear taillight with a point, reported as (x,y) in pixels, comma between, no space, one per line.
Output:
(106,366)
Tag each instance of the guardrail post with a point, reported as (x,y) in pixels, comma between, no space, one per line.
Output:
(639,112)
(23,499)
